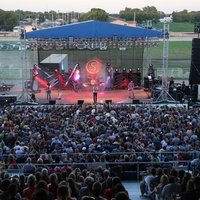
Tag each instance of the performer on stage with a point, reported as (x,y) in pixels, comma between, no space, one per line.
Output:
(48,90)
(95,91)
(131,90)
(33,98)
(151,72)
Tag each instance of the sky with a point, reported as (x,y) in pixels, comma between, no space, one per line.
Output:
(110,6)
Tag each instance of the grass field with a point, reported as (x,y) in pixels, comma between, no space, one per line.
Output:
(177,50)
(176,27)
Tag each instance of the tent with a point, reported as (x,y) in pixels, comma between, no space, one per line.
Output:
(93,29)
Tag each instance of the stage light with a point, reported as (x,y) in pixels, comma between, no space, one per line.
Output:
(108,64)
(77,75)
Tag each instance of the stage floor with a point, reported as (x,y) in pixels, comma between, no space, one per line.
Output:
(72,97)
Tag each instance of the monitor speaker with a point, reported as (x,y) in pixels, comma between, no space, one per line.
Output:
(52,102)
(7,99)
(80,102)
(108,101)
(136,101)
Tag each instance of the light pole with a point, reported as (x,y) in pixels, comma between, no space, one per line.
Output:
(164,95)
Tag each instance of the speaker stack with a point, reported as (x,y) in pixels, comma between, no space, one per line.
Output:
(194,77)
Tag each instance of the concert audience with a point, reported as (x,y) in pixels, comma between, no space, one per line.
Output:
(67,148)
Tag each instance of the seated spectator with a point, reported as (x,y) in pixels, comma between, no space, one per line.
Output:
(40,194)
(28,192)
(158,189)
(172,189)
(145,184)
(28,168)
(12,192)
(195,164)
(64,193)
(193,194)
(97,191)
(86,189)
(116,187)
(43,185)
(53,185)
(4,186)
(121,196)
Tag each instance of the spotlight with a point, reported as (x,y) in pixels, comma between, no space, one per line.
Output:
(130,70)
(77,75)
(108,64)
(182,100)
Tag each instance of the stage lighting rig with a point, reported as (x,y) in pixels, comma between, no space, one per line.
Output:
(164,95)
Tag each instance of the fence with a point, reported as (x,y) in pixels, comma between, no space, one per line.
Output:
(115,162)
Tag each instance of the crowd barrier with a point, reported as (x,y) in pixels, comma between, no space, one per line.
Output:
(127,170)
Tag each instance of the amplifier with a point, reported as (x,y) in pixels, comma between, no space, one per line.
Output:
(7,99)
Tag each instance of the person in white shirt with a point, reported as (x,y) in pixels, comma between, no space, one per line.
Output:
(95,92)
(131,90)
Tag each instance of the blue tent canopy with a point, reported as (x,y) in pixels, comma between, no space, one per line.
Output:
(93,29)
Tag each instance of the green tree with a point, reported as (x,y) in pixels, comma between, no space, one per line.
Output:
(151,13)
(129,14)
(10,20)
(195,17)
(95,14)
(182,16)
(148,13)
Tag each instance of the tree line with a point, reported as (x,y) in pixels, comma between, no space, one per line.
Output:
(10,19)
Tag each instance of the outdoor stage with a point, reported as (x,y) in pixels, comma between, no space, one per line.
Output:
(72,97)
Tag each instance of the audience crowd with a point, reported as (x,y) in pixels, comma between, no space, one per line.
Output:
(68,152)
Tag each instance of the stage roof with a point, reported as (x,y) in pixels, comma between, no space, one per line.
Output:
(93,29)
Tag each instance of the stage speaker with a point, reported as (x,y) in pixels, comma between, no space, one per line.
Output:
(108,101)
(80,102)
(7,99)
(195,93)
(194,77)
(136,101)
(52,102)
(146,82)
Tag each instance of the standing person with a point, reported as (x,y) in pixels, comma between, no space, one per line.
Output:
(33,98)
(48,90)
(95,91)
(183,88)
(171,86)
(131,90)
(151,72)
